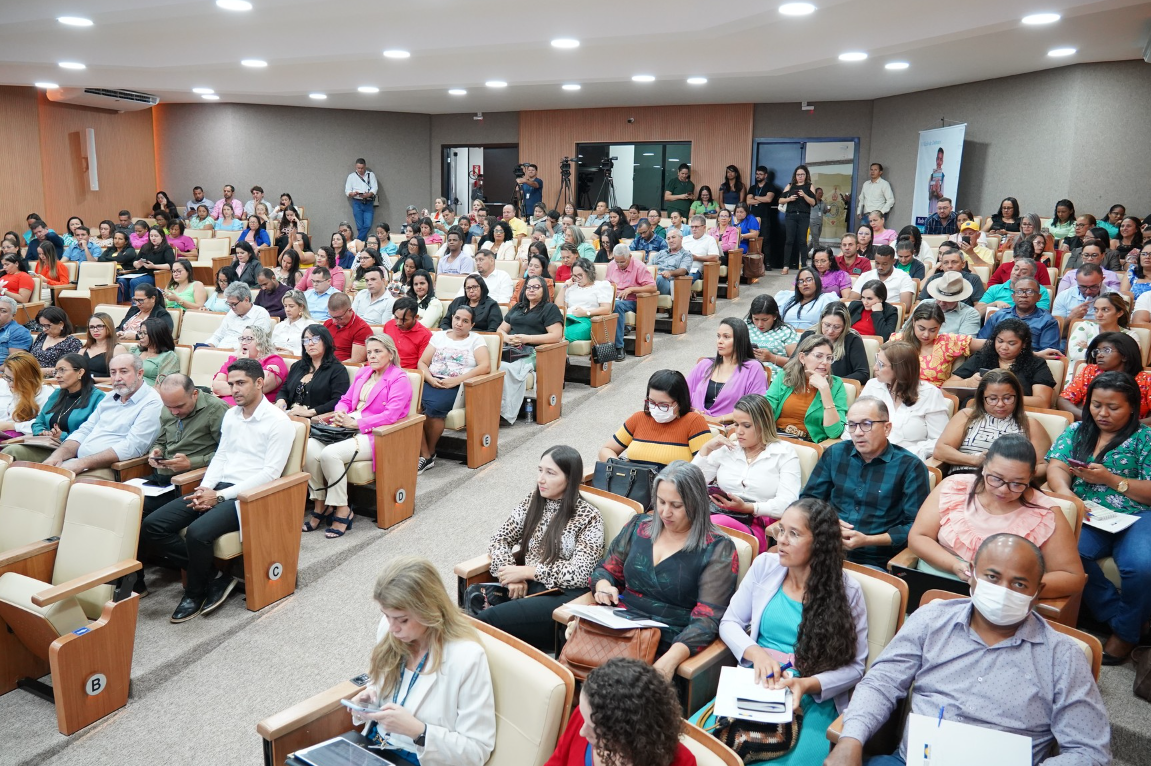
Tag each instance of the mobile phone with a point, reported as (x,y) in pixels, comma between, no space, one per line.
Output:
(625,614)
(759,706)
(755,347)
(358,708)
(717,492)
(1076,463)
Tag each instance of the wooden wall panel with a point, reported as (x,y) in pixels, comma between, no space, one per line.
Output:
(720,135)
(21,176)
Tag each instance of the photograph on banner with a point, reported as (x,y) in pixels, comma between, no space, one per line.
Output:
(937,170)
(832,164)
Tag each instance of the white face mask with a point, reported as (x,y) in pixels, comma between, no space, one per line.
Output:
(660,416)
(1000,606)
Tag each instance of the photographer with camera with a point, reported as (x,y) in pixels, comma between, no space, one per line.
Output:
(361,188)
(531,187)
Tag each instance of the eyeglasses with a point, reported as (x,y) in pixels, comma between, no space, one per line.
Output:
(1005,399)
(533,287)
(879,364)
(95,327)
(863,426)
(805,281)
(661,406)
(1026,291)
(1104,351)
(231,304)
(310,341)
(246,338)
(995,482)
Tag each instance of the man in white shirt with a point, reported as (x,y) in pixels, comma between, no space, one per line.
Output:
(499,282)
(599,217)
(453,260)
(257,198)
(875,194)
(701,245)
(198,198)
(361,188)
(255,442)
(899,285)
(228,199)
(242,312)
(373,304)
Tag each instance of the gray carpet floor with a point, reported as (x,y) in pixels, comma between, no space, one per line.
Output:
(200,688)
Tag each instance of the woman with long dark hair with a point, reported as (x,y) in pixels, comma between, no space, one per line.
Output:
(431,308)
(1009,348)
(832,278)
(799,198)
(872,314)
(73,400)
(717,384)
(253,233)
(802,307)
(916,409)
(666,429)
(705,203)
(732,191)
(1062,220)
(317,380)
(801,608)
(1108,352)
(1006,220)
(551,542)
(532,321)
(450,358)
(246,266)
(1105,459)
(938,352)
(607,242)
(770,336)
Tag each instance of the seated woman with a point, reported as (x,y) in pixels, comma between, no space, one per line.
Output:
(1009,348)
(937,351)
(155,255)
(365,260)
(995,410)
(15,281)
(184,292)
(379,396)
(121,251)
(287,270)
(531,321)
(342,257)
(487,313)
(23,395)
(1112,315)
(228,220)
(832,278)
(499,240)
(451,357)
(139,236)
(182,245)
(99,347)
(1105,459)
(807,401)
(325,257)
(216,301)
(51,270)
(317,381)
(246,265)
(803,307)
(966,509)
(552,542)
(801,609)
(584,298)
(253,233)
(771,339)
(688,596)
(157,349)
(201,219)
(917,409)
(71,403)
(756,474)
(849,355)
(55,338)
(627,714)
(1108,352)
(665,430)
(431,308)
(873,315)
(147,303)
(535,265)
(254,344)
(717,384)
(425,642)
(725,234)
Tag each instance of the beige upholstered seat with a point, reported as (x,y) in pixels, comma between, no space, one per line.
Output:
(205,363)
(91,274)
(885,607)
(447,285)
(198,326)
(32,500)
(217,246)
(113,310)
(1054,422)
(708,750)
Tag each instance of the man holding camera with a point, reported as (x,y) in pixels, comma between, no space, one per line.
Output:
(361,188)
(531,187)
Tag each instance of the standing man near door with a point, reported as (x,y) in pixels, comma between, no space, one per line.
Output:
(361,188)
(875,194)
(762,199)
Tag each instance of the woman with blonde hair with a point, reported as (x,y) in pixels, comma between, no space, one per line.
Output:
(848,353)
(428,674)
(22,394)
(254,344)
(808,402)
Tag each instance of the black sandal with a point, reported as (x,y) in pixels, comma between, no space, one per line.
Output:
(320,519)
(332,534)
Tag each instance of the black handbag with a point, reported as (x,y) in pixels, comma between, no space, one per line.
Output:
(482,595)
(515,353)
(626,478)
(328,435)
(601,353)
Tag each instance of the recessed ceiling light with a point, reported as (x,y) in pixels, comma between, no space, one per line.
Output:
(234,5)
(796,9)
(697,81)
(72,65)
(395,53)
(318,96)
(571,86)
(1041,18)
(255,63)
(642,78)
(368,89)
(1061,52)
(47,85)
(496,84)
(853,56)
(210,97)
(457,92)
(896,65)
(203,91)
(75,21)
(565,42)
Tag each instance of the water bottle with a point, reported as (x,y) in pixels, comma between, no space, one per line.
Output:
(530,411)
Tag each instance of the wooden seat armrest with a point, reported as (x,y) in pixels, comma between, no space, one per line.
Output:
(272,487)
(600,318)
(465,570)
(24,552)
(399,425)
(14,440)
(834,730)
(905,558)
(184,479)
(563,615)
(934,463)
(303,713)
(546,347)
(78,585)
(712,654)
(123,465)
(479,380)
(683,278)
(57,288)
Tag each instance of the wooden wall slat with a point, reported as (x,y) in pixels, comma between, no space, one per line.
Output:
(21,176)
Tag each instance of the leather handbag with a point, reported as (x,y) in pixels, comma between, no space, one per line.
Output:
(1141,656)
(753,265)
(592,644)
(626,478)
(327,435)
(601,352)
(752,741)
(515,353)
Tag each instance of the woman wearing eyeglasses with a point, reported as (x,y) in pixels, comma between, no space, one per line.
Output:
(317,381)
(254,344)
(917,409)
(1108,352)
(532,321)
(666,429)
(808,402)
(964,510)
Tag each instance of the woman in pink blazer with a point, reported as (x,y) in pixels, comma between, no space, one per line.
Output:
(380,395)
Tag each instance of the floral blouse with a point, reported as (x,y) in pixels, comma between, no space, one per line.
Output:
(776,340)
(1080,339)
(47,357)
(581,544)
(688,590)
(1131,460)
(936,367)
(1076,391)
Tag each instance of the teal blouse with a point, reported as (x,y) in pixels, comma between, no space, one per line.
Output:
(73,420)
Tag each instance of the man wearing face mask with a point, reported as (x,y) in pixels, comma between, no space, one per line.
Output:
(987,661)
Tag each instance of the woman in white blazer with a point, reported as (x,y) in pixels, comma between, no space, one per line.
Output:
(429,674)
(807,619)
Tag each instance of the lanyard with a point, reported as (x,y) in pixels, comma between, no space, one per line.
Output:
(415,676)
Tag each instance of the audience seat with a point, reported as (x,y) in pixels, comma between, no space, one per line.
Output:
(935,240)
(871,345)
(546,384)
(32,500)
(511,268)
(533,699)
(271,520)
(729,275)
(447,285)
(113,310)
(212,255)
(230,236)
(603,331)
(705,290)
(206,362)
(1054,422)
(675,306)
(478,414)
(809,455)
(198,327)
(708,750)
(75,619)
(95,284)
(886,599)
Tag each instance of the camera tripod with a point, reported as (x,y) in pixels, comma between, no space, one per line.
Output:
(565,194)
(608,185)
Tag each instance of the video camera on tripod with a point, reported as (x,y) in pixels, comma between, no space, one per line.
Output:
(607,164)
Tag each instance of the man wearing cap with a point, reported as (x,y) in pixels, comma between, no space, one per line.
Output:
(951,261)
(975,253)
(950,290)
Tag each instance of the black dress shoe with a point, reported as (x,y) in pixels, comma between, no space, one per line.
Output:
(218,591)
(1110,659)
(189,607)
(620,355)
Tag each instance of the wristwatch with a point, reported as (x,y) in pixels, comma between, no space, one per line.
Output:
(1122,486)
(219,499)
(422,739)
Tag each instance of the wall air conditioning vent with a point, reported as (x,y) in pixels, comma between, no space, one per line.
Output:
(123,95)
(104,98)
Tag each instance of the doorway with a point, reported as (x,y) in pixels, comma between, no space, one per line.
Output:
(479,172)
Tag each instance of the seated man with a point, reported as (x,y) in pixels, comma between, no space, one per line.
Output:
(13,335)
(453,259)
(1078,300)
(189,433)
(899,285)
(321,291)
(373,304)
(876,485)
(670,263)
(519,226)
(943,220)
(948,292)
(271,292)
(41,233)
(499,282)
(631,278)
(975,253)
(476,230)
(701,245)
(647,241)
(122,427)
(1044,329)
(82,247)
(349,332)
(599,217)
(986,661)
(951,259)
(255,441)
(1003,294)
(411,337)
(242,313)
(1093,253)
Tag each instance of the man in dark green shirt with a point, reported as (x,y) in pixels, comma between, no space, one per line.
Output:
(679,192)
(189,432)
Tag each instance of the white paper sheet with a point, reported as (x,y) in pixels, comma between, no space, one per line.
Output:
(150,490)
(736,684)
(605,615)
(950,743)
(1109,521)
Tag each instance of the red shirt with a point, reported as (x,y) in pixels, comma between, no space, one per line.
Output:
(860,266)
(354,333)
(571,750)
(1002,275)
(865,325)
(410,344)
(21,280)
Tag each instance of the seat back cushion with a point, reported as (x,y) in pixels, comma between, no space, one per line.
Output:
(417,382)
(117,313)
(92,274)
(295,462)
(31,505)
(1054,425)
(882,601)
(101,528)
(198,326)
(206,362)
(529,700)
(615,514)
